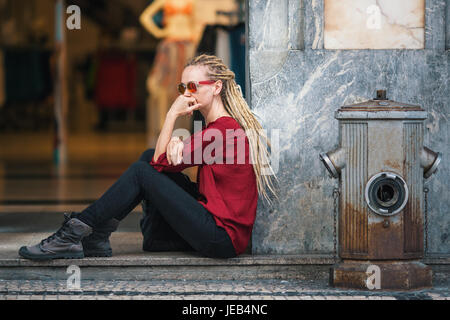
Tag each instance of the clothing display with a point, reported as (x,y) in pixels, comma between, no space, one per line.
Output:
(26,83)
(227,191)
(207,44)
(223,46)
(170,9)
(2,80)
(237,44)
(27,74)
(116,81)
(171,57)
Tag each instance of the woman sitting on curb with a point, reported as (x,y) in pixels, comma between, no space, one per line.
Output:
(214,216)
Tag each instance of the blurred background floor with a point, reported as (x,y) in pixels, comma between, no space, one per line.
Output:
(34,192)
(29,177)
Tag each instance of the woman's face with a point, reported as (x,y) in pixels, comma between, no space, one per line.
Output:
(206,93)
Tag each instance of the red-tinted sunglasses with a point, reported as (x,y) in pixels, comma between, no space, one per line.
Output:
(192,86)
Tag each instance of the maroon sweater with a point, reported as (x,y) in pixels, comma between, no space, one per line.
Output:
(225,179)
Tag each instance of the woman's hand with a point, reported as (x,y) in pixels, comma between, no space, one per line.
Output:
(174,151)
(173,146)
(184,106)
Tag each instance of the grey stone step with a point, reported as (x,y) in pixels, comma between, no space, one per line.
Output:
(129,262)
(171,266)
(144,266)
(182,266)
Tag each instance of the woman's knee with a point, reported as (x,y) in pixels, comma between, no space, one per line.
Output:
(147,155)
(139,167)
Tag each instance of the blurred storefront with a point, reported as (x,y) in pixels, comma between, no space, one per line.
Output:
(106,64)
(74,102)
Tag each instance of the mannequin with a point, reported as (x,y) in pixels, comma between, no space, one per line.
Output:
(177,47)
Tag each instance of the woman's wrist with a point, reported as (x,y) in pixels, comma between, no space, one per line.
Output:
(165,135)
(171,115)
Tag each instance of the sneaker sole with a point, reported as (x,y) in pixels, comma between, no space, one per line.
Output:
(23,252)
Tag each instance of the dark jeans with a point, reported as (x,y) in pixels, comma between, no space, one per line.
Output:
(173,219)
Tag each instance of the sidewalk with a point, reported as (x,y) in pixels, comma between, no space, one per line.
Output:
(202,290)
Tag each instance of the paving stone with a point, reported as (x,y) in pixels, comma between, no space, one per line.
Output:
(202,290)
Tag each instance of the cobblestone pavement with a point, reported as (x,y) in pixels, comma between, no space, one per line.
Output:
(201,290)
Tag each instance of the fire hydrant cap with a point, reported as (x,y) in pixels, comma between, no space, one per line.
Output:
(381,109)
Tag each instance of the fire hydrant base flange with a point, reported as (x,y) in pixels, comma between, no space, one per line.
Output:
(381,275)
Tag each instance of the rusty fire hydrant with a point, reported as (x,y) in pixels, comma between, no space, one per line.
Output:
(381,163)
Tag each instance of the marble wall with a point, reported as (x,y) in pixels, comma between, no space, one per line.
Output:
(374,24)
(447,24)
(296,84)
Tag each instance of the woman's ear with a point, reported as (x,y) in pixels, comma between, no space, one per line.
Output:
(218,87)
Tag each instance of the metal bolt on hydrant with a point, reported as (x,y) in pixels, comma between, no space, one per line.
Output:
(381,163)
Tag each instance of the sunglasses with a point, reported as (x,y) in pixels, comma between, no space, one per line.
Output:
(192,86)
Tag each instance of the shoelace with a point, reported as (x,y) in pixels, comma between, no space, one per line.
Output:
(58,233)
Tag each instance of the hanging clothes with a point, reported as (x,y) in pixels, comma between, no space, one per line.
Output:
(171,57)
(207,44)
(27,74)
(237,45)
(223,49)
(2,80)
(116,81)
(216,41)
(89,69)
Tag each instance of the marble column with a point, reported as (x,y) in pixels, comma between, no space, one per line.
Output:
(299,77)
